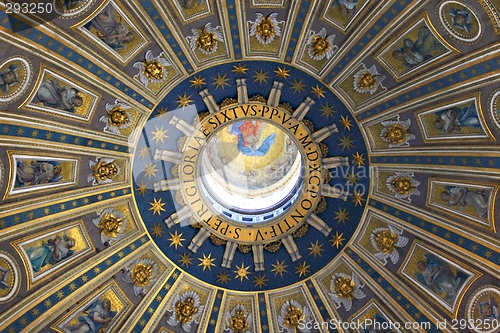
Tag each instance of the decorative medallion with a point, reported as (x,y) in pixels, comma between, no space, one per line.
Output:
(403,185)
(68,9)
(292,314)
(482,309)
(10,277)
(320,45)
(142,274)
(187,310)
(238,320)
(15,75)
(386,241)
(207,39)
(460,21)
(248,179)
(153,70)
(396,133)
(494,106)
(265,29)
(112,224)
(118,117)
(344,289)
(104,170)
(367,80)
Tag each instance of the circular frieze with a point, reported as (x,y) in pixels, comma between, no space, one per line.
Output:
(460,21)
(9,277)
(482,309)
(248,192)
(15,75)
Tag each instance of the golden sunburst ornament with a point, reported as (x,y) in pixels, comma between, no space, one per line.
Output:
(318,91)
(297,86)
(260,76)
(358,159)
(346,122)
(357,198)
(342,215)
(184,100)
(197,82)
(176,239)
(159,134)
(337,240)
(282,72)
(185,259)
(302,269)
(150,170)
(157,206)
(279,268)
(207,262)
(242,272)
(240,69)
(220,81)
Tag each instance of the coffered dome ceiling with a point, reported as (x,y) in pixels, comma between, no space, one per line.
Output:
(249,166)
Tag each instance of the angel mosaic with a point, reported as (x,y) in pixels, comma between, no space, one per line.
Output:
(462,198)
(265,29)
(44,253)
(387,241)
(101,313)
(95,319)
(458,120)
(292,313)
(415,52)
(347,7)
(439,277)
(187,310)
(50,252)
(108,26)
(34,172)
(117,33)
(57,95)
